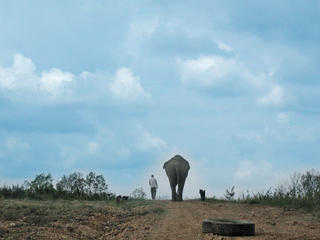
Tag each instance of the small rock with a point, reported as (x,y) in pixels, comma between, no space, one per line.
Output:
(273,224)
(294,223)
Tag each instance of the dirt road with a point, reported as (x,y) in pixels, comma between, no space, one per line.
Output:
(183,220)
(145,220)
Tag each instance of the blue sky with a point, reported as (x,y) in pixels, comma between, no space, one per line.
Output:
(120,87)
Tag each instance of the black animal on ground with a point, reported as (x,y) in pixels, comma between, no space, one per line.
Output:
(202,194)
(125,197)
(118,198)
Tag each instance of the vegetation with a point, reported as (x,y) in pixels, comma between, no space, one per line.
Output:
(301,191)
(73,219)
(72,186)
(229,194)
(138,193)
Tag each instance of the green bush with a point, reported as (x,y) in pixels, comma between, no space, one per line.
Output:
(138,193)
(72,186)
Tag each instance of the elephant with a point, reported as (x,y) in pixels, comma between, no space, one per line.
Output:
(177,171)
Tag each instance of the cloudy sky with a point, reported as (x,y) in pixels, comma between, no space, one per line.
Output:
(119,87)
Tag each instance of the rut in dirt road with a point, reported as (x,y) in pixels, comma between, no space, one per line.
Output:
(182,220)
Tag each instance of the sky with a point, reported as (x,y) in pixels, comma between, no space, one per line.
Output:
(120,87)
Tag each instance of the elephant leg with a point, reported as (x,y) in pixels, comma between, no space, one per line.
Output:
(173,184)
(180,188)
(173,191)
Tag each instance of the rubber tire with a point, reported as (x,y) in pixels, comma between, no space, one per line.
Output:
(228,227)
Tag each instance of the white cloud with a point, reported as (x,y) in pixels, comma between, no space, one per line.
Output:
(54,79)
(223,46)
(126,86)
(274,97)
(20,82)
(206,71)
(249,170)
(20,74)
(22,65)
(148,141)
(220,73)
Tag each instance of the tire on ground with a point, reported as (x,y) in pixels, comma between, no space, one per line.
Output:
(228,227)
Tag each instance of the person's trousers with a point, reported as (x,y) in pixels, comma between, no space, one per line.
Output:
(153,192)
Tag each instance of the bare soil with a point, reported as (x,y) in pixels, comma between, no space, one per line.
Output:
(184,221)
(25,219)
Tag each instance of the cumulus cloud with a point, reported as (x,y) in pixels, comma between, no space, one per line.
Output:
(52,80)
(274,97)
(22,82)
(20,74)
(230,75)
(223,46)
(148,141)
(216,72)
(126,86)
(207,71)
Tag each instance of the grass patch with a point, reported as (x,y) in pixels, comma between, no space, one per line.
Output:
(131,203)
(44,213)
(140,206)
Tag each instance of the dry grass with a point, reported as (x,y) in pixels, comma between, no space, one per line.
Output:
(64,219)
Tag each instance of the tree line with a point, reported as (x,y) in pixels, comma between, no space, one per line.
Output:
(72,186)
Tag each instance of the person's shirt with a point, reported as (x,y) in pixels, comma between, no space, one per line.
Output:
(153,182)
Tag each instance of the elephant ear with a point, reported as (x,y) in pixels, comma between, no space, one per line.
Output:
(164,165)
(188,165)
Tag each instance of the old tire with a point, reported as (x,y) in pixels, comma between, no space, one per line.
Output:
(228,227)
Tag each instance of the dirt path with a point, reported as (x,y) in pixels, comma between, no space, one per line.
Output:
(183,220)
(158,220)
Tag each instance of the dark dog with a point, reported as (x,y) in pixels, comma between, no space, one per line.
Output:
(118,198)
(202,194)
(125,197)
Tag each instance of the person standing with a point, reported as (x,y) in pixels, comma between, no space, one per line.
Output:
(154,186)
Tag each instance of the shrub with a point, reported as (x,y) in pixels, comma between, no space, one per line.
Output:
(138,193)
(301,191)
(230,194)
